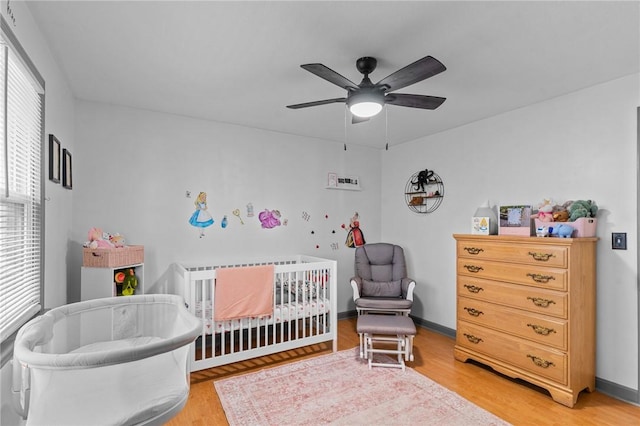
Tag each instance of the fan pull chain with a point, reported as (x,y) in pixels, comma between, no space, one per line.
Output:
(386,127)
(345,128)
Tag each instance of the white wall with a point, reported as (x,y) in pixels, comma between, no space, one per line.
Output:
(133,168)
(579,146)
(59,120)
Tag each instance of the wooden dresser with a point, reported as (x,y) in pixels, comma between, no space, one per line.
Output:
(526,308)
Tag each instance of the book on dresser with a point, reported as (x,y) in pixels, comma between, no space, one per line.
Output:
(526,308)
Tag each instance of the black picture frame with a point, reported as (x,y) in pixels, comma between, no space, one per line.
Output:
(67,170)
(54,159)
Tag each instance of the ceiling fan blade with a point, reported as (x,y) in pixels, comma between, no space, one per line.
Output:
(330,75)
(413,73)
(414,101)
(355,119)
(316,103)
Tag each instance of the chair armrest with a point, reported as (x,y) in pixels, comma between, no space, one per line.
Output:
(408,285)
(356,285)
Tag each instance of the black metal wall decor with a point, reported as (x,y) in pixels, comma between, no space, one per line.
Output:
(424,191)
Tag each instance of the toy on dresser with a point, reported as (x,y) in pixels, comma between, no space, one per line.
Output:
(562,231)
(571,219)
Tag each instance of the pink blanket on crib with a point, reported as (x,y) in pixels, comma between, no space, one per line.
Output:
(243,292)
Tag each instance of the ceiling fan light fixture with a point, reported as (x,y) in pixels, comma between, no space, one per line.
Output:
(365,104)
(365,109)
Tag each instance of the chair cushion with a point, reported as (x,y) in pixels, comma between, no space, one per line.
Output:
(381,288)
(380,262)
(386,325)
(383,303)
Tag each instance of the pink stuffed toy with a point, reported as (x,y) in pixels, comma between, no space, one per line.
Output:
(545,217)
(545,211)
(96,239)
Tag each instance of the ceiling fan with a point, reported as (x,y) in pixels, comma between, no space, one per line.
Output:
(366,99)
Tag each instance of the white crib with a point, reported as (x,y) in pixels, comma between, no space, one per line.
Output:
(112,361)
(304,310)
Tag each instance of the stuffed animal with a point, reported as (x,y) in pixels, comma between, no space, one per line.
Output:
(582,208)
(542,231)
(561,216)
(545,217)
(545,211)
(97,240)
(562,231)
(560,212)
(117,240)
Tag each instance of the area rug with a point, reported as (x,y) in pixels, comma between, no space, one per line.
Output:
(340,389)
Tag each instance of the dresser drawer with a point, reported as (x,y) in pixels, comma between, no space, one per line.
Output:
(541,301)
(536,359)
(532,254)
(553,278)
(538,328)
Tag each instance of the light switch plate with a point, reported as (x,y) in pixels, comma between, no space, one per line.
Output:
(619,240)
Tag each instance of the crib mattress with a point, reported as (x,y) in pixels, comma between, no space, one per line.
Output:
(119,394)
(282,313)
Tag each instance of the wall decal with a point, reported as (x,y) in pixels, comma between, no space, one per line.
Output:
(322,233)
(355,237)
(269,218)
(201,217)
(236,213)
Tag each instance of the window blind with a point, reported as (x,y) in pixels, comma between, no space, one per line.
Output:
(21,212)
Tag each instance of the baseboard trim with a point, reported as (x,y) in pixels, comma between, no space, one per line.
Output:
(606,387)
(618,391)
(348,314)
(437,328)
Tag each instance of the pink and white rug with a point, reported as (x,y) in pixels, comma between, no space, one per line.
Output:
(339,389)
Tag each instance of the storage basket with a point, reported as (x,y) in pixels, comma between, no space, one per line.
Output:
(583,227)
(112,257)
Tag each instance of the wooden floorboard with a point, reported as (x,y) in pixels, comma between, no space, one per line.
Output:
(515,401)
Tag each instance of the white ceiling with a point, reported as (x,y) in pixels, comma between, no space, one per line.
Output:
(239,62)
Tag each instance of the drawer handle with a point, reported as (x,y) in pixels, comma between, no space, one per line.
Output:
(473,289)
(541,278)
(473,312)
(544,331)
(540,302)
(473,250)
(541,362)
(473,339)
(473,268)
(541,257)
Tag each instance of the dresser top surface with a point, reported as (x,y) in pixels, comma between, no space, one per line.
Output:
(525,240)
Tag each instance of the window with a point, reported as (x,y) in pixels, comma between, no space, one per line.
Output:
(21,210)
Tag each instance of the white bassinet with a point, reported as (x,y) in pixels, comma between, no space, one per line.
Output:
(115,361)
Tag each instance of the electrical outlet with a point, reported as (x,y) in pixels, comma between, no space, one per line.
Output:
(619,240)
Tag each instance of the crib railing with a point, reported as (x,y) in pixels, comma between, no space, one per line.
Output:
(304,310)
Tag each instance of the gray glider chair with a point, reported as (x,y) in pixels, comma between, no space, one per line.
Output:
(380,284)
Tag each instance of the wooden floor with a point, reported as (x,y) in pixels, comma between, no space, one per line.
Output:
(514,401)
